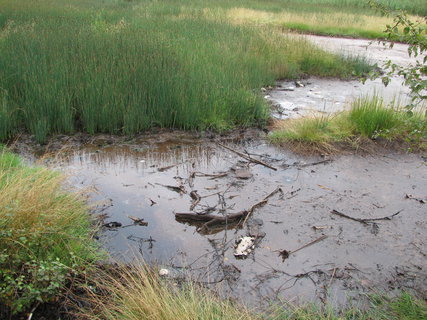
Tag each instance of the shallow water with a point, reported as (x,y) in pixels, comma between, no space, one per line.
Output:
(130,179)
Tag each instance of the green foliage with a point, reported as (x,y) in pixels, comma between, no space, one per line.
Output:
(406,307)
(25,281)
(415,34)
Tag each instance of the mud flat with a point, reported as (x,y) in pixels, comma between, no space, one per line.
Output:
(327,96)
(152,178)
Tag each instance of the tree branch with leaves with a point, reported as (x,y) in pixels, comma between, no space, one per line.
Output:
(414,33)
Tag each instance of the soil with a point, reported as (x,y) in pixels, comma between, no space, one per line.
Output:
(151,178)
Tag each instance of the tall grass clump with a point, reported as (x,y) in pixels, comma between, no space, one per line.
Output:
(136,293)
(45,235)
(371,115)
(124,67)
(367,119)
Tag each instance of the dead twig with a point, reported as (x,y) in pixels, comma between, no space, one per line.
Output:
(364,221)
(211,175)
(179,189)
(163,169)
(138,221)
(299,166)
(285,253)
(410,196)
(248,158)
(261,203)
(196,199)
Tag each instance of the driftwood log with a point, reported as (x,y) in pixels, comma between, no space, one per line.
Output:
(210,219)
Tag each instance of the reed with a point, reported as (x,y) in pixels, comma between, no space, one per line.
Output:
(125,67)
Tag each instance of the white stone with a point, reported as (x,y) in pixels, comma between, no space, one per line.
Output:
(163,272)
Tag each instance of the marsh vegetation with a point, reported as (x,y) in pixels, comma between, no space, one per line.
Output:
(124,67)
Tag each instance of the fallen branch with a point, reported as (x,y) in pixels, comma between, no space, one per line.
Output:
(194,217)
(261,203)
(238,218)
(364,221)
(248,158)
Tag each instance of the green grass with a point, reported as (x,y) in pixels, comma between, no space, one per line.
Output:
(125,67)
(403,307)
(45,235)
(351,32)
(368,118)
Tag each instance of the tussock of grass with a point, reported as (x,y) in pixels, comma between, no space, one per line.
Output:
(368,118)
(403,307)
(136,293)
(45,234)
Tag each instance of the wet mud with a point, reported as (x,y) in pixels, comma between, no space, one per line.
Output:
(141,186)
(316,96)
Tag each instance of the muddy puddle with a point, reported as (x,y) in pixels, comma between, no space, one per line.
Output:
(316,96)
(143,184)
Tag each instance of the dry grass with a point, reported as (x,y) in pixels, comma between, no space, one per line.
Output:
(45,234)
(137,293)
(339,23)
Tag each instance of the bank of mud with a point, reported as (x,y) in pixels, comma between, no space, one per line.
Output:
(141,184)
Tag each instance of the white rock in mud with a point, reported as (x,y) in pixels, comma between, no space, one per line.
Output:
(244,246)
(163,272)
(289,89)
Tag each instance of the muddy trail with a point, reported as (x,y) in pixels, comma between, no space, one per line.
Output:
(232,214)
(315,96)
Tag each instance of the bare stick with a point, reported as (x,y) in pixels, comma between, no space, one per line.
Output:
(310,243)
(410,196)
(247,157)
(278,189)
(364,221)
(212,176)
(261,203)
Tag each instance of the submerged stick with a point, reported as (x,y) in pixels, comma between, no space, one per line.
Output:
(249,158)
